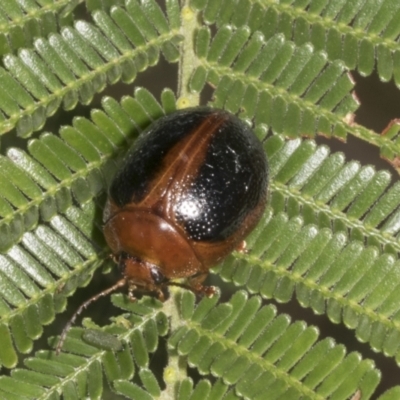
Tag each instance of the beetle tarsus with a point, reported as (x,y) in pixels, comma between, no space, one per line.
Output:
(209,291)
(131,296)
(201,290)
(196,285)
(242,248)
(160,295)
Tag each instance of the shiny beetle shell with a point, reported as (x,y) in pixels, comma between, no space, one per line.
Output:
(190,189)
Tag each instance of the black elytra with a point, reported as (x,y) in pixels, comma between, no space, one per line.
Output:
(231,180)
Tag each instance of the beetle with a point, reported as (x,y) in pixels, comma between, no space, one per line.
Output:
(190,189)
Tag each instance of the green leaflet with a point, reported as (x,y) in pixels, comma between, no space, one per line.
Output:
(328,272)
(292,89)
(88,361)
(74,64)
(22,22)
(307,180)
(205,390)
(354,31)
(248,346)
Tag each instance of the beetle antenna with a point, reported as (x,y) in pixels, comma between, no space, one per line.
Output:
(120,283)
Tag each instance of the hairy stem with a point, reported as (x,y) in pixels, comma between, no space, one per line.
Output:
(176,370)
(188,61)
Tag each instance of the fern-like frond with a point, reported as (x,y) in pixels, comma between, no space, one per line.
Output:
(308,181)
(23,21)
(293,89)
(389,152)
(305,182)
(356,32)
(117,352)
(391,394)
(72,66)
(248,346)
(204,390)
(329,272)
(52,246)
(38,274)
(328,239)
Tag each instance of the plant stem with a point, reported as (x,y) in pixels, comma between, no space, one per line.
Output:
(188,60)
(176,370)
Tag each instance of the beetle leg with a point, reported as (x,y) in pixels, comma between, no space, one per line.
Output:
(242,248)
(131,296)
(160,295)
(195,284)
